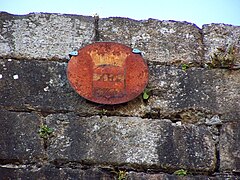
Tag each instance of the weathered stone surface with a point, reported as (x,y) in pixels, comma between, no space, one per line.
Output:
(42,35)
(19,139)
(221,36)
(130,140)
(227,85)
(229,147)
(38,85)
(146,176)
(195,94)
(50,172)
(191,96)
(152,176)
(226,176)
(176,91)
(161,41)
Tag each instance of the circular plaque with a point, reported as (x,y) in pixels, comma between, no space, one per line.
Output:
(107,73)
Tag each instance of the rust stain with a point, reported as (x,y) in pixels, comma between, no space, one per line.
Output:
(107,73)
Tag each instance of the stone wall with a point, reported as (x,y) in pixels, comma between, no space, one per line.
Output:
(191,122)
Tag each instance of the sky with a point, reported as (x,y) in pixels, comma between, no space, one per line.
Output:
(195,11)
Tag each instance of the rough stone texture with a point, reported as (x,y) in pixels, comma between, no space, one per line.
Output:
(53,173)
(161,41)
(194,94)
(229,147)
(36,85)
(200,92)
(42,35)
(217,36)
(152,176)
(145,176)
(19,140)
(227,87)
(50,172)
(131,140)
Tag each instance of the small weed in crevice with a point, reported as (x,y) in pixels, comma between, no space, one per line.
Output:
(45,132)
(180,172)
(103,112)
(121,174)
(146,94)
(184,67)
(225,57)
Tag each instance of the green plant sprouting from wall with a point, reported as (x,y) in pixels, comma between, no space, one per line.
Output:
(146,94)
(45,132)
(185,67)
(121,174)
(225,57)
(181,172)
(103,111)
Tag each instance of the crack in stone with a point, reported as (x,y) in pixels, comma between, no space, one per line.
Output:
(217,151)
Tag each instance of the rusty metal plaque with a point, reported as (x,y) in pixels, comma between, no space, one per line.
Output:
(107,73)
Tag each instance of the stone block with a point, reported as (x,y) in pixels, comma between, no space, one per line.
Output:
(225,176)
(130,141)
(43,35)
(176,91)
(226,85)
(19,139)
(229,147)
(219,39)
(194,94)
(161,41)
(156,176)
(50,172)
